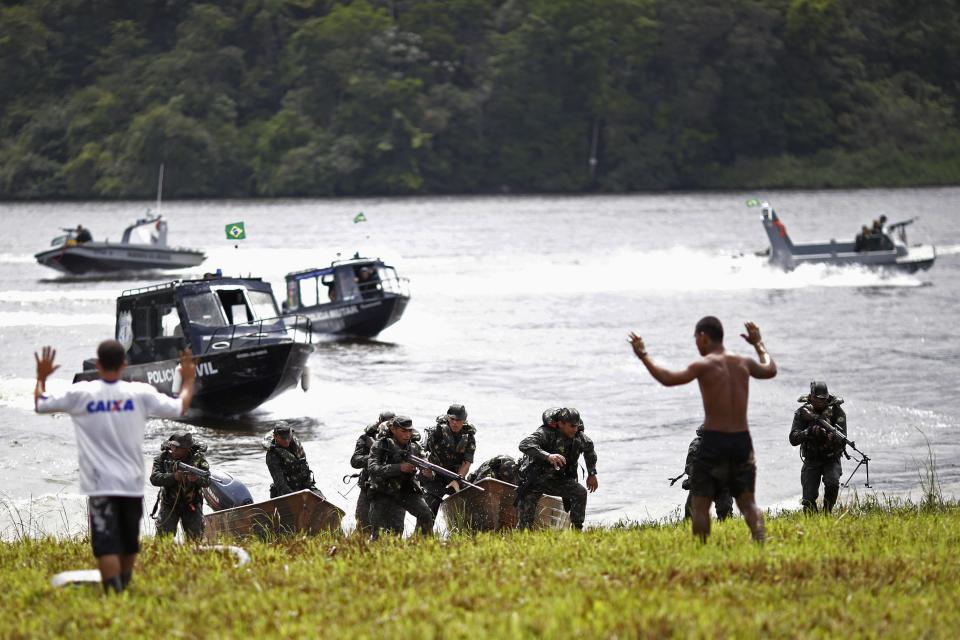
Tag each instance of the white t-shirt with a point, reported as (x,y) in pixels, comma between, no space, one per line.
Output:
(110,418)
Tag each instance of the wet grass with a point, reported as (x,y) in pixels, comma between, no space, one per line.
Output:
(877,568)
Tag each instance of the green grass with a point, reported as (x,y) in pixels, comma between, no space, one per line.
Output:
(870,571)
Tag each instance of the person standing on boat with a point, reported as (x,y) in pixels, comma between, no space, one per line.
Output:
(393,484)
(723,502)
(109,416)
(82,234)
(180,497)
(550,463)
(820,450)
(450,444)
(361,454)
(287,462)
(725,460)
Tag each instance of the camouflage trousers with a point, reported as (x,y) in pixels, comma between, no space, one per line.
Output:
(363,510)
(434,492)
(574,497)
(387,512)
(190,517)
(723,504)
(811,474)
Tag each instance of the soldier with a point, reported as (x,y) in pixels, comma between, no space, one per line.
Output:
(503,468)
(723,501)
(820,450)
(287,463)
(450,444)
(361,452)
(180,497)
(549,465)
(392,481)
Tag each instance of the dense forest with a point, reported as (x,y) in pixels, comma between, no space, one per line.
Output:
(338,97)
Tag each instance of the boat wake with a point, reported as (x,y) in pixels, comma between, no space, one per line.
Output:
(948,250)
(668,270)
(34,319)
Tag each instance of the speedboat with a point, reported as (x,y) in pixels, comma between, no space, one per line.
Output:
(357,297)
(888,249)
(143,246)
(245,351)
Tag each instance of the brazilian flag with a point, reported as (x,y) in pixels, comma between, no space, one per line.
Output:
(235,231)
(753,202)
(359,218)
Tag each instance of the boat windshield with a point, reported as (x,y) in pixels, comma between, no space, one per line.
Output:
(264,306)
(204,309)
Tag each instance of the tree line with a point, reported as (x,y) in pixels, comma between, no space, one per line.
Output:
(263,98)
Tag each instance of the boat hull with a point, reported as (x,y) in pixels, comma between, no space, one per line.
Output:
(363,319)
(104,257)
(230,382)
(493,510)
(300,512)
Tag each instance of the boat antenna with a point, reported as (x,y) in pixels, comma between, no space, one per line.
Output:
(159,188)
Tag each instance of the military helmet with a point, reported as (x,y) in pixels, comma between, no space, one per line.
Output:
(550,415)
(457,412)
(570,415)
(402,422)
(818,389)
(386,415)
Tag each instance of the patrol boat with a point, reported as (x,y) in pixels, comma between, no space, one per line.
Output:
(245,351)
(889,251)
(143,246)
(357,297)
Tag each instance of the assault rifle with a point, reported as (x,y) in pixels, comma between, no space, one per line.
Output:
(446,473)
(186,468)
(832,430)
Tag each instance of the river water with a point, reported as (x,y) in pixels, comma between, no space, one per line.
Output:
(520,303)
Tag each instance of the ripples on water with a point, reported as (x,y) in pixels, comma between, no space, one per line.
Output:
(523,303)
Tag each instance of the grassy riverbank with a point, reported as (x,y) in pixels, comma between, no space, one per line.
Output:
(891,571)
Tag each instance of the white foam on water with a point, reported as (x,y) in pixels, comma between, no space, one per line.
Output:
(670,270)
(56,295)
(14,258)
(948,250)
(34,319)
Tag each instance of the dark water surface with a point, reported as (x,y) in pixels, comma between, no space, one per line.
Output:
(520,303)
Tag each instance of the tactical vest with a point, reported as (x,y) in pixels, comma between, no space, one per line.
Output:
(293,464)
(387,451)
(816,449)
(446,448)
(183,493)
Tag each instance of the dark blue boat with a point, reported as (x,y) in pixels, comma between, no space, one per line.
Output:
(246,352)
(357,297)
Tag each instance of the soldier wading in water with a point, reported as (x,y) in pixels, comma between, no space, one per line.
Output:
(549,465)
(819,448)
(725,459)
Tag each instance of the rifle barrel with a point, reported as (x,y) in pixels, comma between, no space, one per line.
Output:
(426,464)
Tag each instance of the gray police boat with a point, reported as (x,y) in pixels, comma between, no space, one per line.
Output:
(246,352)
(888,250)
(358,297)
(142,247)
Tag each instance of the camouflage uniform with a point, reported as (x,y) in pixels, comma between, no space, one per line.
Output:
(503,468)
(180,501)
(392,492)
(723,502)
(448,450)
(539,477)
(288,467)
(361,452)
(821,458)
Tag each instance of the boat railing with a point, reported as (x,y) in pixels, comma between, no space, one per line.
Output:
(153,287)
(297,328)
(395,285)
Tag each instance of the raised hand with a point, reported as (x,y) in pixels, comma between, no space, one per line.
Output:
(188,366)
(752,335)
(637,343)
(45,365)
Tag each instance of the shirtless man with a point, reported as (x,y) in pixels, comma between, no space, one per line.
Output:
(726,454)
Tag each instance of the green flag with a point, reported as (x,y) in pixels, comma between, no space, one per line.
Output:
(235,231)
(753,202)
(359,218)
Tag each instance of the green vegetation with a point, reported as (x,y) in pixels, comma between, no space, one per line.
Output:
(869,571)
(347,97)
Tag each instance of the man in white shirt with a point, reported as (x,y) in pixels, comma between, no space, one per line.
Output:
(110,416)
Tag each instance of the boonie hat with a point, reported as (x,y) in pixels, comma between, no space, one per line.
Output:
(457,412)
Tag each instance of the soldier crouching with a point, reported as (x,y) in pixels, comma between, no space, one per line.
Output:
(549,465)
(180,498)
(392,481)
